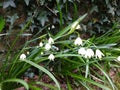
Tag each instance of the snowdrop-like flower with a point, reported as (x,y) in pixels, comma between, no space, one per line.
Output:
(50,40)
(53,26)
(22,56)
(47,46)
(89,53)
(28,52)
(40,44)
(118,58)
(78,27)
(98,54)
(78,41)
(42,53)
(48,28)
(51,57)
(82,51)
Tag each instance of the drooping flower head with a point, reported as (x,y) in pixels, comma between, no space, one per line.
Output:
(78,27)
(78,41)
(51,57)
(89,53)
(99,54)
(41,44)
(82,51)
(118,58)
(50,41)
(47,46)
(22,56)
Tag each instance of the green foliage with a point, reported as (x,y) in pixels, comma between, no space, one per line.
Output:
(44,70)
(63,12)
(14,80)
(2,23)
(58,19)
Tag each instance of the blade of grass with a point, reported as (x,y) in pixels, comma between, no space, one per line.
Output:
(44,70)
(17,81)
(79,77)
(2,23)
(68,85)
(87,69)
(68,29)
(113,86)
(60,13)
(47,85)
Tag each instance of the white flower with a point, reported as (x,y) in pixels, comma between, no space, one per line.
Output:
(40,44)
(78,41)
(78,27)
(53,26)
(98,54)
(28,52)
(118,58)
(47,46)
(51,57)
(82,51)
(50,40)
(48,28)
(22,56)
(89,53)
(42,53)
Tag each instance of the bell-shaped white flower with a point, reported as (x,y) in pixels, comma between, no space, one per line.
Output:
(89,53)
(118,58)
(47,46)
(53,26)
(51,57)
(28,53)
(78,27)
(41,44)
(78,41)
(48,28)
(82,51)
(50,40)
(42,53)
(22,56)
(99,54)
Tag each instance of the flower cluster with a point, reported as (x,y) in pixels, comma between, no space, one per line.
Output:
(48,46)
(84,52)
(87,53)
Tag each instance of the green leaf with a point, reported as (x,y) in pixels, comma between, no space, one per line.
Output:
(69,29)
(47,85)
(2,23)
(88,80)
(44,70)
(15,80)
(106,75)
(27,2)
(68,85)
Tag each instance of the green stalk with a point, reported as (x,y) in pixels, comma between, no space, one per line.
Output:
(75,11)
(60,13)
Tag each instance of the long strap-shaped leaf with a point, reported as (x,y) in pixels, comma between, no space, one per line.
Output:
(44,70)
(15,80)
(87,80)
(69,29)
(2,23)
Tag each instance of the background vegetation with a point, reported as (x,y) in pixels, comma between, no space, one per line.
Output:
(25,24)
